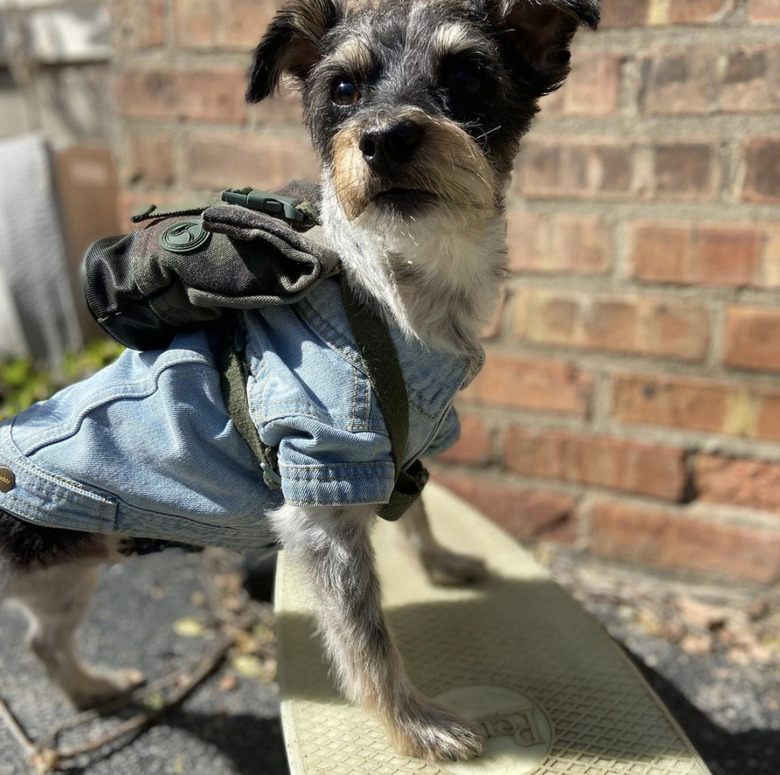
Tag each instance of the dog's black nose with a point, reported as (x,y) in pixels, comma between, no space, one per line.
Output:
(391,146)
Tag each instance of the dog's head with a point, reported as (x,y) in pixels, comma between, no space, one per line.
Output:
(417,105)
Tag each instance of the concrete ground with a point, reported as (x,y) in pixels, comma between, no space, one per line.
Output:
(707,650)
(147,616)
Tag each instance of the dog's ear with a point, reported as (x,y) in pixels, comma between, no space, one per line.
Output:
(539,32)
(291,44)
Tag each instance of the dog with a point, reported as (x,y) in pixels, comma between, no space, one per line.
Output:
(416,109)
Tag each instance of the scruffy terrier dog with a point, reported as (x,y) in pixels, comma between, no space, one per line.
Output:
(416,109)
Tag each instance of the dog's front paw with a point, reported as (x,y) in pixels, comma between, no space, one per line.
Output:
(96,688)
(450,569)
(424,730)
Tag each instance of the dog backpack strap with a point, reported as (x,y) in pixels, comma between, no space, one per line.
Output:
(234,375)
(381,361)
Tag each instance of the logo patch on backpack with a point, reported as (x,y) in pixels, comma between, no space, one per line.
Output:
(184,237)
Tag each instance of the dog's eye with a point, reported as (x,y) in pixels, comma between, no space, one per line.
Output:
(345,92)
(465,81)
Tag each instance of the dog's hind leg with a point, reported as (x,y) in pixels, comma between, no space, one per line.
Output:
(333,545)
(56,599)
(442,566)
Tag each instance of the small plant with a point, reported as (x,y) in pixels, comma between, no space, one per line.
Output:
(22,382)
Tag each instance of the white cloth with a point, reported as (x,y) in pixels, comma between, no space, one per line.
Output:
(32,254)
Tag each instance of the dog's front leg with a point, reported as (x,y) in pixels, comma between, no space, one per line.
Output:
(334,547)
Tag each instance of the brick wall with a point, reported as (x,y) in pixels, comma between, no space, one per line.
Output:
(181,77)
(630,404)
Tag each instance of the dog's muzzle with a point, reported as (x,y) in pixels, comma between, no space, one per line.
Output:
(406,163)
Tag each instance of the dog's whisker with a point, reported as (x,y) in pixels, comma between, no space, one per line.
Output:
(489,132)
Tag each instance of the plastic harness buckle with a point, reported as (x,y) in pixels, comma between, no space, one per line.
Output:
(265,202)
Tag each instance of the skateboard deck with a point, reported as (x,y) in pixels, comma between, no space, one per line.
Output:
(552,692)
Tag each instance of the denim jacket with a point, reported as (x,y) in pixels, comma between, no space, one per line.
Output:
(146,447)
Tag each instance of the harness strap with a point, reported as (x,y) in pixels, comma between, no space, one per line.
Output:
(381,361)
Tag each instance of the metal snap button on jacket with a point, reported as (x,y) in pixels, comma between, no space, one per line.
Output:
(7,479)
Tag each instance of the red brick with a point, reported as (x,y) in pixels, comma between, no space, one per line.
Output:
(663,253)
(753,338)
(149,160)
(570,244)
(639,327)
(754,484)
(543,164)
(214,94)
(679,542)
(245,21)
(521,383)
(138,24)
(768,421)
(685,171)
(581,244)
(762,179)
(528,241)
(694,11)
(268,161)
(767,11)
(625,13)
(679,83)
(680,331)
(475,445)
(657,471)
(612,324)
(678,403)
(538,314)
(221,24)
(750,81)
(195,22)
(575,170)
(621,324)
(698,405)
(729,256)
(523,513)
(707,255)
(592,89)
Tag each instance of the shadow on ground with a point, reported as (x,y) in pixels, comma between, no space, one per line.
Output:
(754,752)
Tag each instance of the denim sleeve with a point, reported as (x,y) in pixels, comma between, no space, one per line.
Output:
(325,466)
(447,435)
